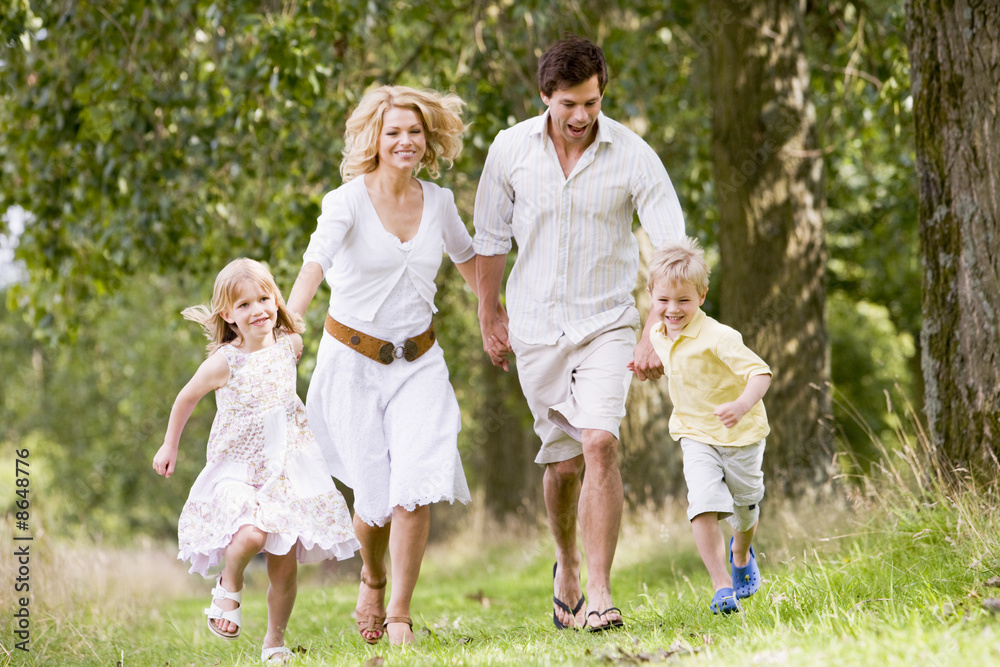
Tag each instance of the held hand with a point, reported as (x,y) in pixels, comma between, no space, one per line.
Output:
(646,363)
(496,337)
(730,413)
(165,460)
(498,351)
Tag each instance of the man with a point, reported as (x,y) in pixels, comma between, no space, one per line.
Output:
(565,186)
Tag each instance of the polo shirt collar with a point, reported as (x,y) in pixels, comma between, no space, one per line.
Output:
(693,327)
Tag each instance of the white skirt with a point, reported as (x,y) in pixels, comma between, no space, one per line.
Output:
(388,432)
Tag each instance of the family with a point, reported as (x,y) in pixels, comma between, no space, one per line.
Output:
(381,415)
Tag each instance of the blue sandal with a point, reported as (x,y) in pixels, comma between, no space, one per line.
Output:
(724,601)
(746,579)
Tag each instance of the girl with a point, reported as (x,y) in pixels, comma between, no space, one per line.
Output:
(265,486)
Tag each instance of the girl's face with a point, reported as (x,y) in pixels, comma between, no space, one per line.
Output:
(255,313)
(675,304)
(402,143)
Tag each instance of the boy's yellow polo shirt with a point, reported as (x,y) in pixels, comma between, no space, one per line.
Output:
(706,366)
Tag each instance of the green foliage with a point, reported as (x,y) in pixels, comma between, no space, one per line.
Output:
(861,88)
(152,144)
(93,415)
(870,365)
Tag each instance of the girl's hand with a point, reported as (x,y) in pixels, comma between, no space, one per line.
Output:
(165,460)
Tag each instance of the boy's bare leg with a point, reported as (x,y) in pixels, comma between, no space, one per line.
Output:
(741,545)
(712,548)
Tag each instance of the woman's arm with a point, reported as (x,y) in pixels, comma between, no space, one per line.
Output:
(304,289)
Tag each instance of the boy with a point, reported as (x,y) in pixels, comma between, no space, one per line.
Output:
(716,384)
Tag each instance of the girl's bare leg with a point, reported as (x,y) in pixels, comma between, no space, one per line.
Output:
(282,572)
(247,543)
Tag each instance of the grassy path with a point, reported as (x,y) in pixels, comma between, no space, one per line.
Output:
(845,584)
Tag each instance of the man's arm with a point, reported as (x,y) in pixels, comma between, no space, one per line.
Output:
(493,321)
(656,201)
(646,363)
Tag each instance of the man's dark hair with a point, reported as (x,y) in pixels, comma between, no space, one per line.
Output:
(570,62)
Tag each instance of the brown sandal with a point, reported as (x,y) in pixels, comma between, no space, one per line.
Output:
(373,622)
(397,619)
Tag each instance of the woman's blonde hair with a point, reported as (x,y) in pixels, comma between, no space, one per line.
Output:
(679,262)
(228,284)
(440,114)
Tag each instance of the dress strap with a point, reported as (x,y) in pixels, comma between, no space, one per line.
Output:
(233,356)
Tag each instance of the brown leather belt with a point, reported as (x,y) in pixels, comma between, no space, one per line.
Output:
(380,350)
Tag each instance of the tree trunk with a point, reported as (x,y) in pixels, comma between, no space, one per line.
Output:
(955,59)
(768,175)
(505,446)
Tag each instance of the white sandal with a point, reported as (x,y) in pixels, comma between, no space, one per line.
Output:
(283,651)
(215,612)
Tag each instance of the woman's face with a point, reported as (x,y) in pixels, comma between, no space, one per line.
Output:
(403,142)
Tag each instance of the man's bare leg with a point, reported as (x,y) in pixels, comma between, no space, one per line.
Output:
(561,484)
(601,502)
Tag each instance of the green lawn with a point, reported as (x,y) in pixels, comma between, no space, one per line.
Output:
(888,576)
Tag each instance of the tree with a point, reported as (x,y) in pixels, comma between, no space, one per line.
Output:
(768,177)
(168,138)
(956,74)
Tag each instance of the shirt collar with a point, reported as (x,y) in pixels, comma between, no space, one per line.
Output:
(692,329)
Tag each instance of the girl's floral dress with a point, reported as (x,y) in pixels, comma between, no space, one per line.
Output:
(264,469)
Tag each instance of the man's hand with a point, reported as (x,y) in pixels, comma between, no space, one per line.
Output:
(646,363)
(496,338)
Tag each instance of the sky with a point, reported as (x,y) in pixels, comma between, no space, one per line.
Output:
(11,271)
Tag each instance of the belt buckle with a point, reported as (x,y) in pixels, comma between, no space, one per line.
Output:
(387,354)
(408,349)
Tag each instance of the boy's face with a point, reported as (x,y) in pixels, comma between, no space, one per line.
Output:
(675,304)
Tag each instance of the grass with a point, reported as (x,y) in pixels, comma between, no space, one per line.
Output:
(891,570)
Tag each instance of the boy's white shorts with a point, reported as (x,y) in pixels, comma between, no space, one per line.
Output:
(727,480)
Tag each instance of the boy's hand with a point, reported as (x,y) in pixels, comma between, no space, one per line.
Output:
(730,413)
(165,460)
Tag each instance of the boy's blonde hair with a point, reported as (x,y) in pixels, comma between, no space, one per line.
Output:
(680,262)
(440,114)
(227,287)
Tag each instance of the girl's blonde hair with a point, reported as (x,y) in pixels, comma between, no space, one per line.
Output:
(679,262)
(227,287)
(440,114)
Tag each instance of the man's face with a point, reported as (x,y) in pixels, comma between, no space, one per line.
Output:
(573,112)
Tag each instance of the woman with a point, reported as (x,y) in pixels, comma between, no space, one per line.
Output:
(379,401)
